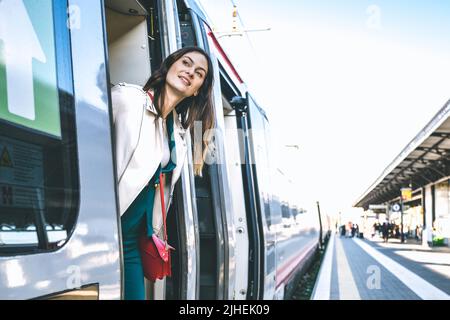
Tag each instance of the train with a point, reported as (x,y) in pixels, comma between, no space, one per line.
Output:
(237,236)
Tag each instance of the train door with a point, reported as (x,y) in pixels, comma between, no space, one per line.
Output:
(213,195)
(234,160)
(200,216)
(132,43)
(58,215)
(140,35)
(183,227)
(260,162)
(240,105)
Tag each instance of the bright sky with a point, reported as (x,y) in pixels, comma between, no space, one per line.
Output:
(350,82)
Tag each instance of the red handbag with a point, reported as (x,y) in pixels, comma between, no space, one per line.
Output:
(155,253)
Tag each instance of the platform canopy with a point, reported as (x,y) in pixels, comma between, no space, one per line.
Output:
(425,160)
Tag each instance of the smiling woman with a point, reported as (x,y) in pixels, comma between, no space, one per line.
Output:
(146,139)
(185,75)
(180,78)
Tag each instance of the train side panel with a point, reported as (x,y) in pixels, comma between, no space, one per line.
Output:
(64,242)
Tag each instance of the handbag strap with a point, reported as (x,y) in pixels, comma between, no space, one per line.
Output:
(163,205)
(161,192)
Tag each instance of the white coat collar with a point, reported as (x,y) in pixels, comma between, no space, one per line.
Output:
(178,127)
(149,105)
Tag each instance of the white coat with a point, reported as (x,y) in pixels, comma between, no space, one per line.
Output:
(138,145)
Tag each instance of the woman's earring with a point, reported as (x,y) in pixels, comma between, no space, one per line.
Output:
(195,94)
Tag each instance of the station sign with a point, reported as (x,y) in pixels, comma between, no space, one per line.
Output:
(396,207)
(28,74)
(406,194)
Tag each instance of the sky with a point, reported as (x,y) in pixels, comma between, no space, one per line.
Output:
(350,82)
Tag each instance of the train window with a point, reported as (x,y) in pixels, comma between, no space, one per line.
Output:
(186,27)
(38,163)
(260,142)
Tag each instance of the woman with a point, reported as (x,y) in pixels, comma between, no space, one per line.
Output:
(150,124)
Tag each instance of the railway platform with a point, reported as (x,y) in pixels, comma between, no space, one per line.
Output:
(369,269)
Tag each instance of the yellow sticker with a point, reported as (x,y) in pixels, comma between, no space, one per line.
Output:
(5,159)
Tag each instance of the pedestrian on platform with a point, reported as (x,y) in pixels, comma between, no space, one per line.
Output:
(349,229)
(378,228)
(374,229)
(417,233)
(385,231)
(397,231)
(150,127)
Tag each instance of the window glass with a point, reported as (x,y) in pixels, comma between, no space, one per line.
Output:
(186,26)
(259,138)
(38,164)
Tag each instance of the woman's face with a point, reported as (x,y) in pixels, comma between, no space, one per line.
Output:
(187,74)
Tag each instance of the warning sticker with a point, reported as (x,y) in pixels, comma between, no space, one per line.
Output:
(21,174)
(5,158)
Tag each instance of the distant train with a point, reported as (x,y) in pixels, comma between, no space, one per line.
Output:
(236,236)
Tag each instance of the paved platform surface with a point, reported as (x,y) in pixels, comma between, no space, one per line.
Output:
(368,269)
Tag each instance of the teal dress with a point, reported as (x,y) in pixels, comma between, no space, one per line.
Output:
(136,220)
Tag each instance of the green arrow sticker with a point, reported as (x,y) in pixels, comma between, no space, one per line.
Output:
(28,82)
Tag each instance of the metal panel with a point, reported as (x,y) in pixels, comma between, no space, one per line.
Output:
(98,249)
(233,163)
(170,31)
(192,272)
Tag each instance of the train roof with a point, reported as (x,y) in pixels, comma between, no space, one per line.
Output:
(421,162)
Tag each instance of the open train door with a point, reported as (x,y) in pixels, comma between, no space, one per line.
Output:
(257,171)
(256,237)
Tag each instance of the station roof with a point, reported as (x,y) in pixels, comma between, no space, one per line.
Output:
(425,160)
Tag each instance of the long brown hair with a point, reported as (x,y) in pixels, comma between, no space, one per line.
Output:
(191,109)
